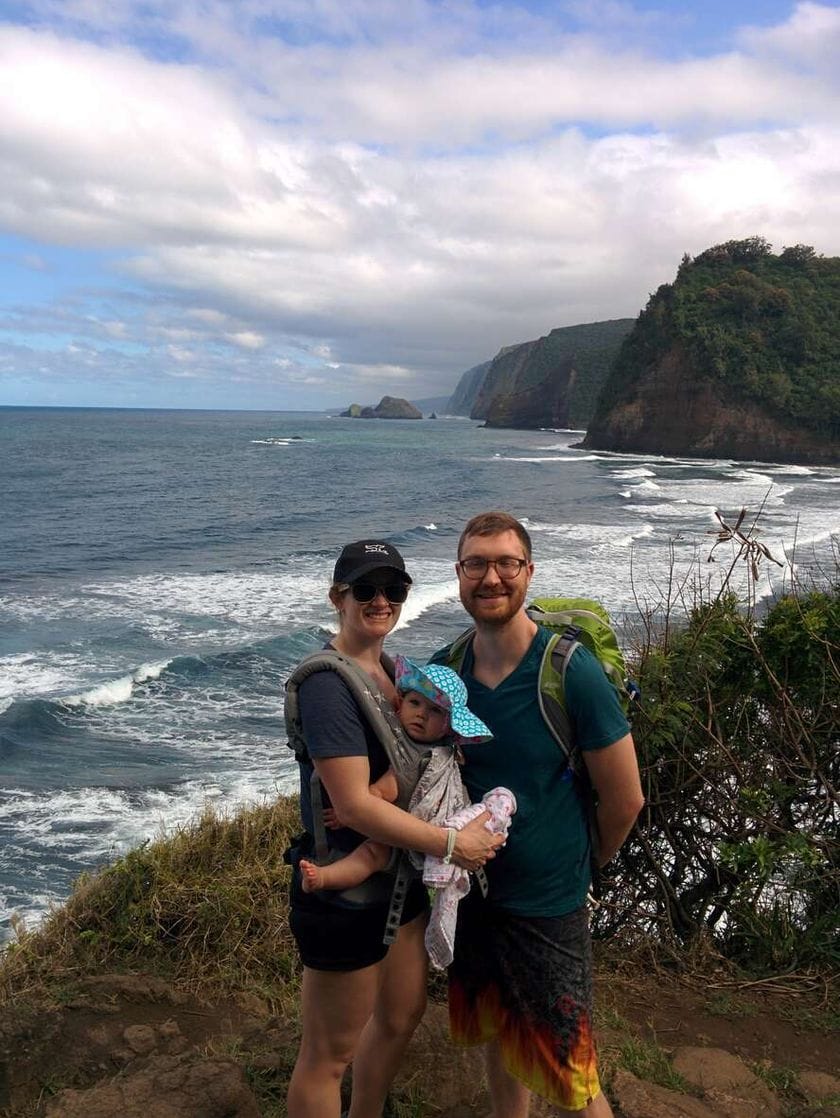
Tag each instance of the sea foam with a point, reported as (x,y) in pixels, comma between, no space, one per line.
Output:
(117,690)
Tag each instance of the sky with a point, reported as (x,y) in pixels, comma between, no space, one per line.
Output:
(299,204)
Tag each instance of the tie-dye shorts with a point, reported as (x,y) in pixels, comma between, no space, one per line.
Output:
(526,982)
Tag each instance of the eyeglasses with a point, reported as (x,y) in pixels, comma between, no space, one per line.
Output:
(395,592)
(506,567)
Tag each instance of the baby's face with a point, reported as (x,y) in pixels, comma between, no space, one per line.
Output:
(421,719)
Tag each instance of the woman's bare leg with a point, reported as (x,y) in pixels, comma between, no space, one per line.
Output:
(351,870)
(398,1010)
(335,1007)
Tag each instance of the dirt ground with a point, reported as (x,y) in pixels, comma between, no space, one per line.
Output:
(788,1023)
(108,1028)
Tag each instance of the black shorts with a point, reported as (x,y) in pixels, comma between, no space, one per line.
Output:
(334,937)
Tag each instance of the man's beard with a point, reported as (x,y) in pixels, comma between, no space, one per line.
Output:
(495,617)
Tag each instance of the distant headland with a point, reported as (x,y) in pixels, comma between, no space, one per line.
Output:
(739,358)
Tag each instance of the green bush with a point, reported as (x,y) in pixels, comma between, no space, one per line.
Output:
(737,735)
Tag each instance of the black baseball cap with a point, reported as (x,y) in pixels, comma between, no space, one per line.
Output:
(360,558)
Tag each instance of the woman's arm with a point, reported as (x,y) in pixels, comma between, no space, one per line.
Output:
(347,781)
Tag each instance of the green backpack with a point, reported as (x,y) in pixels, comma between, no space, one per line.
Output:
(572,621)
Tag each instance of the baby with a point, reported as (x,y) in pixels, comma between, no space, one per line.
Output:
(434,713)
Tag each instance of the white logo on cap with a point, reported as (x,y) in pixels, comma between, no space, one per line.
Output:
(377,548)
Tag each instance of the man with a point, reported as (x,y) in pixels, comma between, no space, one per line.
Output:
(521,981)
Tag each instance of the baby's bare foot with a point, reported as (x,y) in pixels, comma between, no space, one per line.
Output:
(311,876)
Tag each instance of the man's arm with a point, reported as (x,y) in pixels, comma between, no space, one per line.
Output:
(614,772)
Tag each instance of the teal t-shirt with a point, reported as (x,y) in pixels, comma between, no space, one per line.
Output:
(543,869)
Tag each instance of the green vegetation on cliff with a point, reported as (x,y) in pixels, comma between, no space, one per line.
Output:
(552,381)
(757,331)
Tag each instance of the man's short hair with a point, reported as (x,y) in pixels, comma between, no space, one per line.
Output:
(493,524)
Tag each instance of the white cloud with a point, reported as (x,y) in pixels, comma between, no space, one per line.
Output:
(397,205)
(380,374)
(811,37)
(181,354)
(246,339)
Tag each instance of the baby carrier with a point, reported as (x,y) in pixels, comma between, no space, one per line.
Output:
(407,759)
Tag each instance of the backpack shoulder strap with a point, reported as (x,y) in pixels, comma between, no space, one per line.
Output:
(551,690)
(552,698)
(452,656)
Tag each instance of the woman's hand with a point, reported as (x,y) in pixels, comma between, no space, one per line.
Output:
(475,845)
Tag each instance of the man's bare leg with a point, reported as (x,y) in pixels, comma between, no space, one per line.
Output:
(512,1099)
(508,1097)
(598,1108)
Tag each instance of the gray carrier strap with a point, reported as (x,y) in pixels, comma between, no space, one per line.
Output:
(404,757)
(319,831)
(405,874)
(481,878)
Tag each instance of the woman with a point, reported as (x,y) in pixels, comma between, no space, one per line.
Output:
(361,1001)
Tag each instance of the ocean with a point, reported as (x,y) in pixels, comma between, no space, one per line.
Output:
(161,572)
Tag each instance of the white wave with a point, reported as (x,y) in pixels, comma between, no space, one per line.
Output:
(647,485)
(284,598)
(27,674)
(818,536)
(600,536)
(86,827)
(175,608)
(645,532)
(753,476)
(739,489)
(280,441)
(577,457)
(626,493)
(26,912)
(677,509)
(634,471)
(798,470)
(431,527)
(431,588)
(552,458)
(117,690)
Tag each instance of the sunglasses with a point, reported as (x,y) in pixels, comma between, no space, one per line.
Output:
(395,592)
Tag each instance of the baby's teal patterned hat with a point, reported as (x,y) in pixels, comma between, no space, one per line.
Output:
(445,689)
